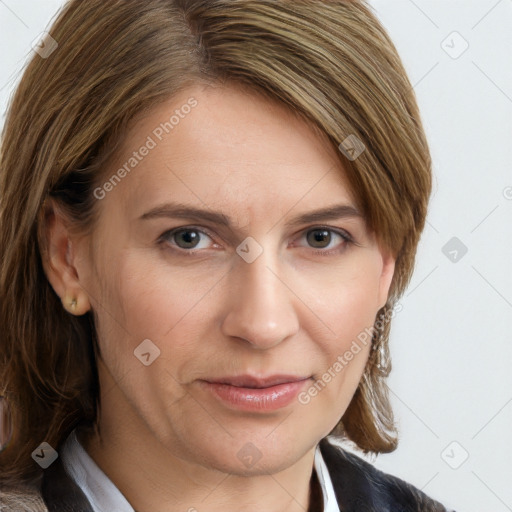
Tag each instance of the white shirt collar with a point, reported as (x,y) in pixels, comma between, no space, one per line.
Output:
(330,501)
(104,496)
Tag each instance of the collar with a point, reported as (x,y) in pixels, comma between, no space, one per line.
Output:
(94,486)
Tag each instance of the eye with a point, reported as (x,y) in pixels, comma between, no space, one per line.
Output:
(186,238)
(325,238)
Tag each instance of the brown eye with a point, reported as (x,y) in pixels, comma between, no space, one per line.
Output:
(327,241)
(319,238)
(187,238)
(190,241)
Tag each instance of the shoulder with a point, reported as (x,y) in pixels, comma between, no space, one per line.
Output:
(359,485)
(21,499)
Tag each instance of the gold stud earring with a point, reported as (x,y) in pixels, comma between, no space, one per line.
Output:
(70,304)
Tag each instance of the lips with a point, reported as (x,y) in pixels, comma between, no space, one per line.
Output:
(255,394)
(248,381)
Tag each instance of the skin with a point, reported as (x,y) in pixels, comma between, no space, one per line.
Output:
(166,443)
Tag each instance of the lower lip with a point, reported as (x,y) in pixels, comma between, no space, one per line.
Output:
(256,399)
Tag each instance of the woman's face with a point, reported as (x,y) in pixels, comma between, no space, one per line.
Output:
(213,273)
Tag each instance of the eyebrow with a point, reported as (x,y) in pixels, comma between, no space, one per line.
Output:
(182,211)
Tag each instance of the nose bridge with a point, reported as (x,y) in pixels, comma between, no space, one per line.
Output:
(261,311)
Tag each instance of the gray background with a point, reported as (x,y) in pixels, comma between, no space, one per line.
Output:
(451,384)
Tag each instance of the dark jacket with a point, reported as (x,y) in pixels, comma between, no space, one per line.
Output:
(358,485)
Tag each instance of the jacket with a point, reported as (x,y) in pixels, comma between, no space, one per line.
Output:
(358,485)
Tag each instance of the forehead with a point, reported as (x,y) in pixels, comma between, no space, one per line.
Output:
(223,145)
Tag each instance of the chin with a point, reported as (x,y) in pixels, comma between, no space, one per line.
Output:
(247,453)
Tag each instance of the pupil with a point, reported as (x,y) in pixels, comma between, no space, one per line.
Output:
(319,235)
(188,237)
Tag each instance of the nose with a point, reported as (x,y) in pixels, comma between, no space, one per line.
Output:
(260,309)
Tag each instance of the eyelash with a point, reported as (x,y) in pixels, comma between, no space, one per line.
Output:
(165,237)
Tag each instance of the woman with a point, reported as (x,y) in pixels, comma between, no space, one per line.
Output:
(209,210)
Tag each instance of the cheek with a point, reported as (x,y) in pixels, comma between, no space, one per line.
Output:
(347,302)
(344,297)
(149,301)
(157,301)
(352,319)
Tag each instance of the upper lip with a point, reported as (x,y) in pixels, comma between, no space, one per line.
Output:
(250,381)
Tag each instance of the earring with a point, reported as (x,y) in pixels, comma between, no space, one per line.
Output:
(70,304)
(381,357)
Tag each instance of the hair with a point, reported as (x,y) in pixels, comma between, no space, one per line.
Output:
(330,62)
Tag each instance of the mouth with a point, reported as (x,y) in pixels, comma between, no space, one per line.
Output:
(256,394)
(250,382)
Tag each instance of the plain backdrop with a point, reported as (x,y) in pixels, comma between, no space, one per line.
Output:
(451,344)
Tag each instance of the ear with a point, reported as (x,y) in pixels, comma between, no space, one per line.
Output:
(386,276)
(58,259)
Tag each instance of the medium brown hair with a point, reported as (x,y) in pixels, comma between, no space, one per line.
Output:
(330,62)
